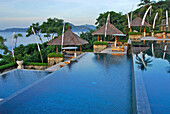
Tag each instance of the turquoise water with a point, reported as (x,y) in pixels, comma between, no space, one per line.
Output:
(97,83)
(156,77)
(16,80)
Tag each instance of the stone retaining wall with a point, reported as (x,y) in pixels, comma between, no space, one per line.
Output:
(99,48)
(35,67)
(54,60)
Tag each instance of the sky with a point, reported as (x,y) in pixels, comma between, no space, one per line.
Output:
(22,13)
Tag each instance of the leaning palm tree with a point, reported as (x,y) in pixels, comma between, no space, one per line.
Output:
(147,62)
(16,37)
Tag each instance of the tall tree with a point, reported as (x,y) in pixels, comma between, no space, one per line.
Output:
(36,29)
(16,37)
(53,26)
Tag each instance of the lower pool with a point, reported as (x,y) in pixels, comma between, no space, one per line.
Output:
(156,76)
(15,80)
(97,83)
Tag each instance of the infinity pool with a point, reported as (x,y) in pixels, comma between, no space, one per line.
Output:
(15,80)
(97,83)
(156,76)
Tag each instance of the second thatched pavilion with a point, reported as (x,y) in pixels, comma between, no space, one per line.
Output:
(70,39)
(111,30)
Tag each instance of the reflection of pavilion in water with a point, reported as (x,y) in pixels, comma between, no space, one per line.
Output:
(154,50)
(108,59)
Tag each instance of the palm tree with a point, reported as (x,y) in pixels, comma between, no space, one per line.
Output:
(147,62)
(145,3)
(16,37)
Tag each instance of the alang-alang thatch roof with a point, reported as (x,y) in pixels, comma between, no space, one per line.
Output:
(111,29)
(69,39)
(137,22)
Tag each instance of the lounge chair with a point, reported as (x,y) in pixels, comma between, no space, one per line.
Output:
(118,49)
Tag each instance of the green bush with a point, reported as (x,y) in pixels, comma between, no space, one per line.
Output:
(35,64)
(3,67)
(88,50)
(158,31)
(167,31)
(99,43)
(55,55)
(135,33)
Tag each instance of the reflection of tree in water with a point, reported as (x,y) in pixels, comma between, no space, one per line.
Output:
(147,62)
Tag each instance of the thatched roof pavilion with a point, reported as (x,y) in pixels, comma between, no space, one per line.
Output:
(111,29)
(137,22)
(69,39)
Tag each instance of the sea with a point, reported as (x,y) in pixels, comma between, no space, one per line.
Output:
(22,40)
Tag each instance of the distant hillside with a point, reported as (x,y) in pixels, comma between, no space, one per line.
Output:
(80,28)
(14,30)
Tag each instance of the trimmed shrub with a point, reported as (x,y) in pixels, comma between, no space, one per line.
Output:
(35,64)
(55,55)
(88,50)
(135,33)
(3,67)
(99,43)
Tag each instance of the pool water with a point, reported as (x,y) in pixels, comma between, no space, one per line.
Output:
(156,77)
(15,80)
(97,83)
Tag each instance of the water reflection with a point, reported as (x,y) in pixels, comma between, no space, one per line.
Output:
(143,61)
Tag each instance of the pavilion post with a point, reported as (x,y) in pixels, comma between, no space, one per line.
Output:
(98,37)
(80,48)
(144,31)
(115,40)
(101,38)
(57,48)
(130,29)
(75,52)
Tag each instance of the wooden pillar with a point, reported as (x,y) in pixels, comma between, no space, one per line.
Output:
(145,29)
(57,48)
(144,34)
(75,49)
(98,38)
(130,29)
(101,38)
(115,40)
(80,48)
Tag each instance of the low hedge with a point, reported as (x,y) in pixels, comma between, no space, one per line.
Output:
(99,43)
(135,33)
(158,31)
(88,50)
(167,31)
(55,55)
(3,67)
(35,64)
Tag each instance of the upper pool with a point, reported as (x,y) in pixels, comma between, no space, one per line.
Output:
(15,80)
(97,83)
(156,75)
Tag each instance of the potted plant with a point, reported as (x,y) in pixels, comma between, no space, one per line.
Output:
(152,33)
(19,61)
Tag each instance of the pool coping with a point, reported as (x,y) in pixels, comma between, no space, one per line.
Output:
(29,86)
(142,101)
